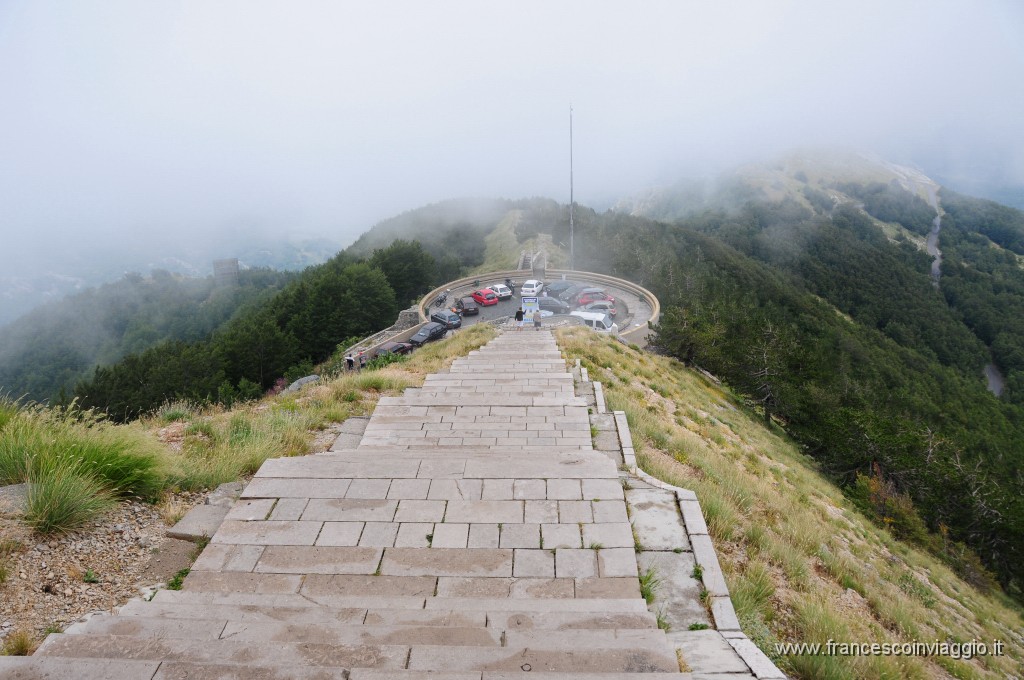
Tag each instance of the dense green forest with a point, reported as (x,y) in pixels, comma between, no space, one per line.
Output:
(281,337)
(48,351)
(836,333)
(54,346)
(892,203)
(986,283)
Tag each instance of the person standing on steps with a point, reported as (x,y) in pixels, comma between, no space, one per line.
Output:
(536,320)
(350,362)
(362,360)
(519,319)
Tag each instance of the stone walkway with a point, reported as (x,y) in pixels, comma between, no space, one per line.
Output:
(473,533)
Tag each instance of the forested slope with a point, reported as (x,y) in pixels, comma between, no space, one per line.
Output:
(983,277)
(835,331)
(54,346)
(355,294)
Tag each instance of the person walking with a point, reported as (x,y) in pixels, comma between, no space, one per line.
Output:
(362,360)
(519,319)
(536,320)
(350,362)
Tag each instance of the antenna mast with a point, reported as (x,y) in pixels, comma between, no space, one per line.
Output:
(572,243)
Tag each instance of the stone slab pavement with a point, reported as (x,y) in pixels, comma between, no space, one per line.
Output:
(473,531)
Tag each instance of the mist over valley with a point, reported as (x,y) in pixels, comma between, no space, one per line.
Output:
(826,199)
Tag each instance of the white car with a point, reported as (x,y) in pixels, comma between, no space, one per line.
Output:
(531,287)
(602,323)
(501,290)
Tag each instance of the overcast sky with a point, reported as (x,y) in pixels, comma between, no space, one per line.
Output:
(120,119)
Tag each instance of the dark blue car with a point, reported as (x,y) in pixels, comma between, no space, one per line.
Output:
(429,331)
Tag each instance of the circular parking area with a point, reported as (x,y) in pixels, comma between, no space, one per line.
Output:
(632,308)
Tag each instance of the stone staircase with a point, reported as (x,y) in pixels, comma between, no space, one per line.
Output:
(473,534)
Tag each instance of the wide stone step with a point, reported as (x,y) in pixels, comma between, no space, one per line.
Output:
(497,443)
(458,457)
(630,638)
(225,651)
(288,600)
(538,605)
(177,670)
(523,620)
(545,659)
(469,465)
(275,631)
(365,634)
(574,403)
(284,614)
(373,674)
(488,373)
(39,668)
(138,626)
(488,390)
(498,605)
(329,616)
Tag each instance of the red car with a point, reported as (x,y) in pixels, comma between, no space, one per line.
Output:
(485,297)
(594,296)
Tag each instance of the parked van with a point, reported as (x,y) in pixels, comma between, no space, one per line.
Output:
(600,322)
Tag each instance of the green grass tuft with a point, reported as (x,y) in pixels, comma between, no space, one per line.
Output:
(649,582)
(64,499)
(178,580)
(37,442)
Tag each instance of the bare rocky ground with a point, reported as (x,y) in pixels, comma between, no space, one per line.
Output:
(53,581)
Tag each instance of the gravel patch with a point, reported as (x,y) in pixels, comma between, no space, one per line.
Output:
(49,579)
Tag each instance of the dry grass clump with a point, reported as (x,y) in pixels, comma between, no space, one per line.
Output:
(20,643)
(802,564)
(171,509)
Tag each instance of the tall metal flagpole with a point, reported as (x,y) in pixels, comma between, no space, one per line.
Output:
(572,235)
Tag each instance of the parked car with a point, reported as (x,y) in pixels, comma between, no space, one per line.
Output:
(601,306)
(602,323)
(485,296)
(570,293)
(556,288)
(449,318)
(502,291)
(467,306)
(429,331)
(550,304)
(393,348)
(531,288)
(588,296)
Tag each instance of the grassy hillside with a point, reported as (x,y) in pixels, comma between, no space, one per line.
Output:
(891,389)
(802,563)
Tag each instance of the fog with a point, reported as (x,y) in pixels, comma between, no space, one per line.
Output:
(151,123)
